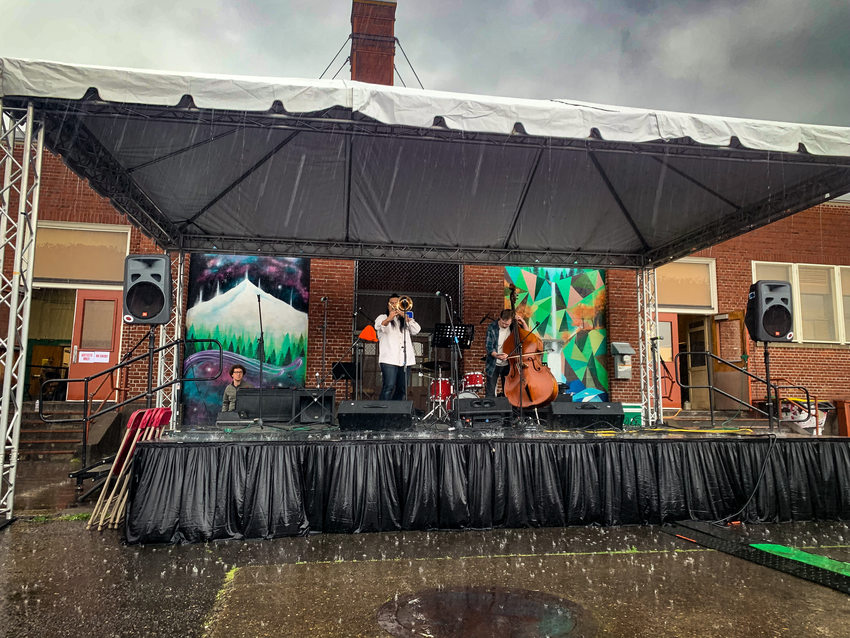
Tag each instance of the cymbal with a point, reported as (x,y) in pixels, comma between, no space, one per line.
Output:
(432,365)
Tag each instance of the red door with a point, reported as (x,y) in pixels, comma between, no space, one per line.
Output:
(95,343)
(668,347)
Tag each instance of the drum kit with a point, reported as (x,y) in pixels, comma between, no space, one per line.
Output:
(441,392)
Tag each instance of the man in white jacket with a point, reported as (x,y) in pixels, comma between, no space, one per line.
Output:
(395,349)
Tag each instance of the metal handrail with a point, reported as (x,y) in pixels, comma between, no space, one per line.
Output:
(712,388)
(88,398)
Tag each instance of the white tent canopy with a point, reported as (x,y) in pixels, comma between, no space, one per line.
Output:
(346,169)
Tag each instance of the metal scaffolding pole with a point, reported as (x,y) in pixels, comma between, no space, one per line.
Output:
(20,165)
(650,383)
(169,360)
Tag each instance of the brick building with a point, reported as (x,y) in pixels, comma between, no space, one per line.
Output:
(806,246)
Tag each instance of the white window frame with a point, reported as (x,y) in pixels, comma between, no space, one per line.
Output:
(837,306)
(712,282)
(64,225)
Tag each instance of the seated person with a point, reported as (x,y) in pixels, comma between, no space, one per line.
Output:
(228,400)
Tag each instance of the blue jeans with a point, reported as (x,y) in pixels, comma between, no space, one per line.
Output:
(493,380)
(394,382)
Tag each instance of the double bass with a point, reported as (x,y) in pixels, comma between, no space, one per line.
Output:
(529,383)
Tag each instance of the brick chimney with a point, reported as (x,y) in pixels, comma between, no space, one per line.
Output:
(373,41)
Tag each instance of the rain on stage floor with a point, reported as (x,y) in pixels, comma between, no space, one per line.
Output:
(251,482)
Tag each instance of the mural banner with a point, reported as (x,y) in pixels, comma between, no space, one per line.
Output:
(566,308)
(226,293)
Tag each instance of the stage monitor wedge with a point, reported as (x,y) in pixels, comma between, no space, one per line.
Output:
(482,413)
(595,415)
(147,289)
(375,415)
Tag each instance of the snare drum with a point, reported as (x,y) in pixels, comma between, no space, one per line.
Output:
(440,390)
(473,381)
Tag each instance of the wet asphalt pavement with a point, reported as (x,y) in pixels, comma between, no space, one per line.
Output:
(59,579)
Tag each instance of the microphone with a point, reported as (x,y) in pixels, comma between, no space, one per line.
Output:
(323,299)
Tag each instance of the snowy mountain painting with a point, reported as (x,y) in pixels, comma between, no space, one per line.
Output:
(226,293)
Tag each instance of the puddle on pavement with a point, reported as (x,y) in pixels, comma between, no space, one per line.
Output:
(479,612)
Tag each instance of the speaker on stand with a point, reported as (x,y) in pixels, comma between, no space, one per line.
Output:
(147,289)
(770,319)
(769,316)
(147,299)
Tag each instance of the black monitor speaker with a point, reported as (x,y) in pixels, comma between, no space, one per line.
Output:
(314,406)
(587,415)
(147,289)
(487,412)
(769,316)
(277,404)
(375,415)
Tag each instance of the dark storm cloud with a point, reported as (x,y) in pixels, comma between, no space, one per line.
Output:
(769,59)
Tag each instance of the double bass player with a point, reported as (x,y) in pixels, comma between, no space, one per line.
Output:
(496,364)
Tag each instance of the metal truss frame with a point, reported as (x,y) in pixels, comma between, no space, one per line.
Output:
(20,166)
(650,385)
(69,135)
(169,363)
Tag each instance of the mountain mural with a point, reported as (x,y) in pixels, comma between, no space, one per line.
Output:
(225,290)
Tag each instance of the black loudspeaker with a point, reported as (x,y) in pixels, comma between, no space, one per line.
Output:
(486,413)
(590,415)
(314,406)
(277,404)
(769,316)
(375,415)
(147,289)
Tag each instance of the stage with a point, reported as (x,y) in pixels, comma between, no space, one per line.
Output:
(210,484)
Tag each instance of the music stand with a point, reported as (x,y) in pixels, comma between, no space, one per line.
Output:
(456,337)
(445,334)
(345,370)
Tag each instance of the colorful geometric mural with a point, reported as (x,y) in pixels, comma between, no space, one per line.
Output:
(226,294)
(565,307)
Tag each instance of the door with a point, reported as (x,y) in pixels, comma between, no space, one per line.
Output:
(697,365)
(730,343)
(95,343)
(668,347)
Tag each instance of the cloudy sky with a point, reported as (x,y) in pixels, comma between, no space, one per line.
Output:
(768,59)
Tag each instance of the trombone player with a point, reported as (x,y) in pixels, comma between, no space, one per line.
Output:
(395,347)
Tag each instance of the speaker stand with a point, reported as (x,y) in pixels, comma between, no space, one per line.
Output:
(772,410)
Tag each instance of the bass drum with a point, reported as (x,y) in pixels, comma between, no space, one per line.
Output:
(465,394)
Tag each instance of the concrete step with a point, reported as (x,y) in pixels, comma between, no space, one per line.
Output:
(50,434)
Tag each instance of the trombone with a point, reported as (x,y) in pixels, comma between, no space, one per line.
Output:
(403,304)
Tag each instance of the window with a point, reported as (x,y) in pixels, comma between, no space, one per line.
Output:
(687,286)
(817,303)
(69,254)
(821,299)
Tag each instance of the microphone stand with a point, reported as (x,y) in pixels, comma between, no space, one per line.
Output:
(261,355)
(320,394)
(404,351)
(455,351)
(357,346)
